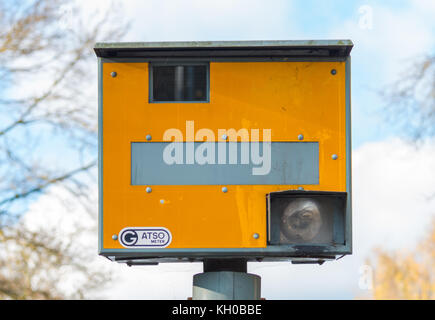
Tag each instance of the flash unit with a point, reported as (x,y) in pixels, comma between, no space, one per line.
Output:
(301,220)
(306,218)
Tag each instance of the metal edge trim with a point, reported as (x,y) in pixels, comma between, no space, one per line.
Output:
(100,156)
(349,241)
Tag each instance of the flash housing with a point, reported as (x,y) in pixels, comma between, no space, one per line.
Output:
(313,218)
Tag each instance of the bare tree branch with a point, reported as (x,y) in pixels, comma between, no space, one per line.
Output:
(48,181)
(47,139)
(411,100)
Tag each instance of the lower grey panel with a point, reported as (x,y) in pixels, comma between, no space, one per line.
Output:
(275,163)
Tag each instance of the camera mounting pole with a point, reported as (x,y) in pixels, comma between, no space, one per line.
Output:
(226,279)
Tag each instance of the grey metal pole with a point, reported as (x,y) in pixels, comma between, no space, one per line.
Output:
(226,279)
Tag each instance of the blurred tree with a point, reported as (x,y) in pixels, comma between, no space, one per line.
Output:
(411,100)
(48,128)
(411,106)
(41,265)
(406,275)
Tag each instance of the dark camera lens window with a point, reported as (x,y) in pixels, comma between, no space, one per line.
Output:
(179,83)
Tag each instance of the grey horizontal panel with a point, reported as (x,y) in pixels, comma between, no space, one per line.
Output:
(220,163)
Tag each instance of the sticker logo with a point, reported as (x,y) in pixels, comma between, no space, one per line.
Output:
(146,237)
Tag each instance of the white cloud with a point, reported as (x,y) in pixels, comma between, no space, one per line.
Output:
(395,193)
(425,7)
(165,281)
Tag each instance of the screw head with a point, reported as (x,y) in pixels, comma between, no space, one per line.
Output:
(115,237)
(224,189)
(256,236)
(301,137)
(148,189)
(113,74)
(148,137)
(334,157)
(224,137)
(333,72)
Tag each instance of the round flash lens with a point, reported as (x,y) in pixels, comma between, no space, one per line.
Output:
(301,220)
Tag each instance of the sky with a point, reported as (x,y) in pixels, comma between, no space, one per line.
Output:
(392,181)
